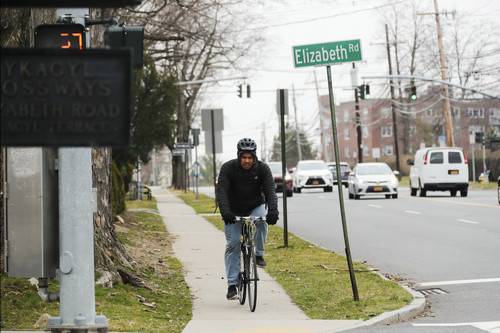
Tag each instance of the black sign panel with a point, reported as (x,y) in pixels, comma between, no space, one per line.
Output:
(57,97)
(69,3)
(62,36)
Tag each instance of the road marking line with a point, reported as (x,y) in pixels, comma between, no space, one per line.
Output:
(375,206)
(412,212)
(490,326)
(465,203)
(467,221)
(452,282)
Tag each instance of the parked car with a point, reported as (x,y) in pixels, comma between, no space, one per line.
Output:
(345,169)
(312,174)
(439,169)
(368,179)
(278,178)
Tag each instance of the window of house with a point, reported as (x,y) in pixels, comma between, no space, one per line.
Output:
(475,112)
(366,151)
(346,152)
(456,112)
(365,111)
(346,133)
(386,131)
(365,131)
(429,113)
(476,128)
(346,116)
(388,150)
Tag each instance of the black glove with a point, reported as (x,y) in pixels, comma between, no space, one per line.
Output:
(272,218)
(229,218)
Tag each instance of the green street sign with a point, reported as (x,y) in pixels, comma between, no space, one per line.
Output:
(327,53)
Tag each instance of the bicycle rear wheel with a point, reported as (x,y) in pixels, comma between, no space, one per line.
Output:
(252,279)
(242,290)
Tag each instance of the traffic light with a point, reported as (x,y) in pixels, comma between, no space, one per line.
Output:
(64,36)
(131,37)
(240,90)
(364,90)
(248,91)
(413,93)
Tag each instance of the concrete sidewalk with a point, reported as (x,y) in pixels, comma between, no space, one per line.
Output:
(200,248)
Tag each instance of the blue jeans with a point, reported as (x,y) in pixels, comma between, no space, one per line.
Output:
(233,244)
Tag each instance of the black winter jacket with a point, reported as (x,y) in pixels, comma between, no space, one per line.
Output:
(239,190)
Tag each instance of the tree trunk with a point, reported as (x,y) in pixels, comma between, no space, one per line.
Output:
(109,252)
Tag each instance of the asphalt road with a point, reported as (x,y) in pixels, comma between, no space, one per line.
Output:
(435,242)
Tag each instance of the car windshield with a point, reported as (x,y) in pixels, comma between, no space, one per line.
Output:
(343,168)
(373,169)
(312,166)
(275,167)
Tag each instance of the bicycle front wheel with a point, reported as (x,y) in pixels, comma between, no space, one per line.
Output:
(252,279)
(242,288)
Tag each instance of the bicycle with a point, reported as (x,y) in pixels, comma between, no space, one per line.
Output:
(248,275)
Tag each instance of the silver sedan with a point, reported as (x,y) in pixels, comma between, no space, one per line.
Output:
(367,179)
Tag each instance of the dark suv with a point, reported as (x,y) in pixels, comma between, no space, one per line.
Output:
(344,172)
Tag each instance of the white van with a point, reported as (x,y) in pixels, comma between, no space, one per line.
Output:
(439,169)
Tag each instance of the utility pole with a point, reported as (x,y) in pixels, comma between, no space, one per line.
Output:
(450,140)
(393,106)
(297,136)
(264,143)
(322,137)
(358,125)
(354,83)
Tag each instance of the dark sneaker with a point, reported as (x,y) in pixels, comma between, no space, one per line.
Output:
(232,292)
(259,260)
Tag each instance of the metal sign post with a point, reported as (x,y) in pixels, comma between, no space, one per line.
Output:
(326,54)
(282,98)
(339,185)
(213,153)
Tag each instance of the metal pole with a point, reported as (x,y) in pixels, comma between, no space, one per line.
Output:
(297,135)
(473,163)
(185,170)
(450,140)
(283,166)
(358,127)
(339,185)
(196,170)
(484,157)
(393,106)
(77,203)
(213,154)
(322,136)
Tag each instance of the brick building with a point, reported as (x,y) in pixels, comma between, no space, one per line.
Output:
(418,123)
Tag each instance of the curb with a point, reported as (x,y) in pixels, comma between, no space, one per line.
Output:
(407,312)
(416,307)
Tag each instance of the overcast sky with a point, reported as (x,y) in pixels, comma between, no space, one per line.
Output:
(289,23)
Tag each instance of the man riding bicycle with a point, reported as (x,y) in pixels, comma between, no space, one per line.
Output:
(245,187)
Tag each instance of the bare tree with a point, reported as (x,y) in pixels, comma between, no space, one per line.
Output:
(193,40)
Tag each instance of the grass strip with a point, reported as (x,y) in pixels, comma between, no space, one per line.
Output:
(164,305)
(318,280)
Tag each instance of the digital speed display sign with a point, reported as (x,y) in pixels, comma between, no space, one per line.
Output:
(63,36)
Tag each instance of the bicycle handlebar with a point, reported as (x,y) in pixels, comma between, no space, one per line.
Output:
(252,218)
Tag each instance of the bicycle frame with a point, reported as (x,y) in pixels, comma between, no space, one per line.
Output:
(249,274)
